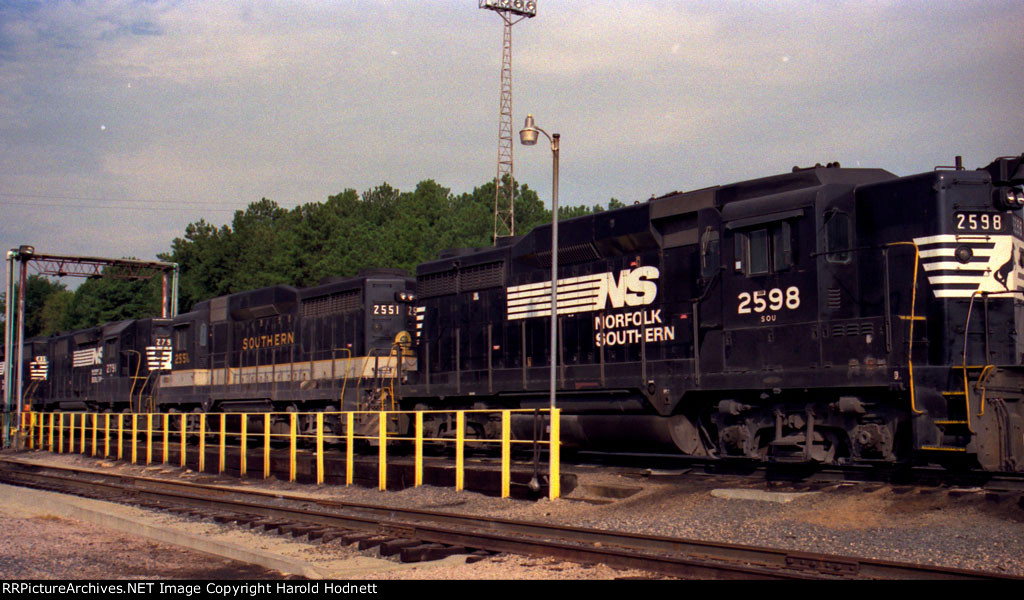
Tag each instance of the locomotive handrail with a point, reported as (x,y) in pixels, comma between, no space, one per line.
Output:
(910,336)
(987,367)
(131,391)
(334,377)
(142,391)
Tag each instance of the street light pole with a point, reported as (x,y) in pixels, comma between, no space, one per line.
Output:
(528,137)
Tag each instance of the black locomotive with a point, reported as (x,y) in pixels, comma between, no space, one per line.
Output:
(342,345)
(827,315)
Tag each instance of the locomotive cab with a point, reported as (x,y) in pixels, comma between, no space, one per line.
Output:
(958,235)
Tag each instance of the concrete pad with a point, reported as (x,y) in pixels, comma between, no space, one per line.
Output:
(741,494)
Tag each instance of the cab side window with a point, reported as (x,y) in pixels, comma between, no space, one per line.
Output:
(764,250)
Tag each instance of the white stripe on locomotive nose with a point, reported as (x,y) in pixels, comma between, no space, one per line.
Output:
(955,265)
(951,252)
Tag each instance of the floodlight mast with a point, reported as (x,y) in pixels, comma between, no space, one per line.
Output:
(511,12)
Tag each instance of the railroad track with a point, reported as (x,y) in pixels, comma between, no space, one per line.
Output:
(419,534)
(799,473)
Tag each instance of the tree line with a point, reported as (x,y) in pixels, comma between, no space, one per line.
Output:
(266,245)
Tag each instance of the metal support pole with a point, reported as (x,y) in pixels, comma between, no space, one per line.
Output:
(418,476)
(244,445)
(174,292)
(8,338)
(506,453)
(18,359)
(460,449)
(319,448)
(293,430)
(349,447)
(554,457)
(382,453)
(554,268)
(165,304)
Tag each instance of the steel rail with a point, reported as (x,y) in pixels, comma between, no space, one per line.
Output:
(664,555)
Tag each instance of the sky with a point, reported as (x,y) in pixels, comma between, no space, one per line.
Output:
(123,121)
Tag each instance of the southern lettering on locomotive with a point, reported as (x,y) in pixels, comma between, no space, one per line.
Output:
(327,347)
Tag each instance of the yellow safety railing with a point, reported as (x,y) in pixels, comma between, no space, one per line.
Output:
(162,428)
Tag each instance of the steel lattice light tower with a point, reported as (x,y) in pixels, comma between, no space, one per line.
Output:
(511,12)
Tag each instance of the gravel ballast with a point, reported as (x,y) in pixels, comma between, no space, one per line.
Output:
(926,525)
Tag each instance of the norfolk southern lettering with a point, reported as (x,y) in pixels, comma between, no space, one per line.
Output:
(632,328)
(256,342)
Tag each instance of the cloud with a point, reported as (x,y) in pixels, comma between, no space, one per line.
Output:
(222,103)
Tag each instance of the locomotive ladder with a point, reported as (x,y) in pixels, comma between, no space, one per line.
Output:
(957,428)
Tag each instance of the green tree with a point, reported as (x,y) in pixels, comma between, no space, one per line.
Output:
(52,313)
(204,263)
(38,290)
(107,299)
(381,227)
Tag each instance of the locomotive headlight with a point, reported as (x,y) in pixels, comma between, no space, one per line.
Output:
(964,254)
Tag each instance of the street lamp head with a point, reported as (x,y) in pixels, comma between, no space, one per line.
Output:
(528,135)
(525,8)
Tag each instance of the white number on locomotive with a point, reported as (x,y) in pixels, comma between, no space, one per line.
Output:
(386,309)
(774,299)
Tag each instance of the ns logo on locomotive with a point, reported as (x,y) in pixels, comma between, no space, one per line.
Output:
(828,315)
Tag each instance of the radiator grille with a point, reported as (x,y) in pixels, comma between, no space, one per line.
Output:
(341,302)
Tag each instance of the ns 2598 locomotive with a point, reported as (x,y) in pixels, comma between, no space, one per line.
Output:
(829,314)
(826,315)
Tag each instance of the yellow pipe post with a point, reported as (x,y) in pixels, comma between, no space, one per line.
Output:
(106,435)
(71,433)
(460,439)
(167,436)
(184,428)
(319,448)
(418,478)
(95,427)
(135,437)
(223,441)
(554,455)
(349,443)
(243,450)
(382,452)
(81,445)
(42,431)
(120,436)
(266,445)
(51,432)
(202,442)
(506,453)
(60,441)
(294,426)
(149,438)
